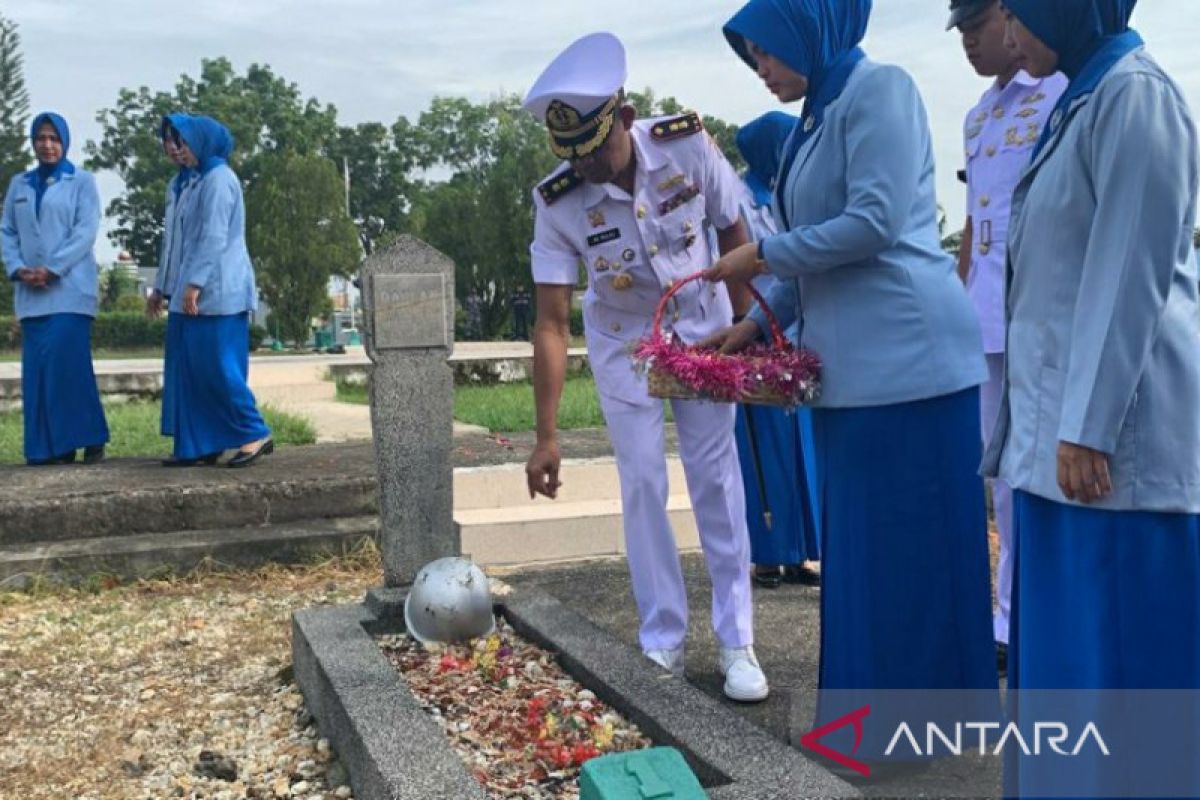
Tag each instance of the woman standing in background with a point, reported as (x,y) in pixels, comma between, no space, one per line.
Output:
(212,408)
(51,219)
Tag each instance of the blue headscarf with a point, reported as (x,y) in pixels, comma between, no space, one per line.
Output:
(186,174)
(760,142)
(210,141)
(1089,36)
(816,38)
(43,175)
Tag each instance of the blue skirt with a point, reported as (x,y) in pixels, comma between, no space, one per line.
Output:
(60,401)
(171,373)
(1105,601)
(211,406)
(906,595)
(778,482)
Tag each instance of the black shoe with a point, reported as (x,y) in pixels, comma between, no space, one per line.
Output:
(1002,659)
(766,577)
(93,454)
(798,573)
(207,460)
(244,459)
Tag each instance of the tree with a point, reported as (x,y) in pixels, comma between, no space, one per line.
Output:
(265,112)
(14,105)
(299,235)
(378,161)
(116,282)
(482,217)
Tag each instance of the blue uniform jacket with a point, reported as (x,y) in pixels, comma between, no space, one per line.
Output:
(61,239)
(1103,327)
(166,280)
(882,305)
(213,251)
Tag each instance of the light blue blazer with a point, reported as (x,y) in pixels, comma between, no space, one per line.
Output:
(166,280)
(882,305)
(213,251)
(61,239)
(1103,328)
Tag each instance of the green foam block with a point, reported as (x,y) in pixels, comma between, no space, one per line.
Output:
(659,773)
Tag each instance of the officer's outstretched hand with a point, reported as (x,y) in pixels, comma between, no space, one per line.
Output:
(734,338)
(541,470)
(739,265)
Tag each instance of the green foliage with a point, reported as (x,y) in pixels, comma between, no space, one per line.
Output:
(257,335)
(6,299)
(15,151)
(128,329)
(266,114)
(134,431)
(300,236)
(482,217)
(379,161)
(576,321)
(118,330)
(117,283)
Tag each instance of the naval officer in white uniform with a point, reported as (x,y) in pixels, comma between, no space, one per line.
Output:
(629,205)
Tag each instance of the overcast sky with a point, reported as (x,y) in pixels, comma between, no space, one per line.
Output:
(379,59)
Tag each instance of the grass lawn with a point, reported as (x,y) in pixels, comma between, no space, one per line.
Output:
(133,431)
(508,407)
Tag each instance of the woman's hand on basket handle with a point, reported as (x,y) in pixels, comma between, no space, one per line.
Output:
(739,265)
(734,338)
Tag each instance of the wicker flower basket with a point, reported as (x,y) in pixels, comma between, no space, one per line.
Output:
(774,374)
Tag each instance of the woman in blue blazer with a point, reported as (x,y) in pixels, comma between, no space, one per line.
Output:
(51,218)
(774,446)
(166,279)
(905,598)
(1099,428)
(213,295)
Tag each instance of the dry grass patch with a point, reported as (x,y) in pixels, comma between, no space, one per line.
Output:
(115,692)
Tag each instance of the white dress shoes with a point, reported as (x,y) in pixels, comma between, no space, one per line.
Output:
(744,678)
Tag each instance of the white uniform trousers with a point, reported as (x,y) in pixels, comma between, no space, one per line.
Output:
(989,407)
(709,454)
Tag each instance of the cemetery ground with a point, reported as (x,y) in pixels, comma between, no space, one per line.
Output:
(113,692)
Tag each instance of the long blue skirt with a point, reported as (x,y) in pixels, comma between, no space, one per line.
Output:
(779,487)
(61,403)
(1108,600)
(906,595)
(211,405)
(171,372)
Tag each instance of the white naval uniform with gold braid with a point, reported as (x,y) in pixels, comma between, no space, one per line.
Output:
(1000,133)
(633,249)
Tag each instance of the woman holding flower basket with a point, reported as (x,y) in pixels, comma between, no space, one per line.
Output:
(905,601)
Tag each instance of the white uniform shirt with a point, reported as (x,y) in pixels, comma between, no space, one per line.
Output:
(635,247)
(1000,134)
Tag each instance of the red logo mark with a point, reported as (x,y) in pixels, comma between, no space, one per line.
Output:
(811,740)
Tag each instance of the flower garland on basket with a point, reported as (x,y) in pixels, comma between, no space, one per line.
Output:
(774,374)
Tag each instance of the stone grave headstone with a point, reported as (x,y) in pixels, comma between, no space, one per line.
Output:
(408,296)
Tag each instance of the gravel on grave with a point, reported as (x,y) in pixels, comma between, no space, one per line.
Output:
(166,689)
(519,722)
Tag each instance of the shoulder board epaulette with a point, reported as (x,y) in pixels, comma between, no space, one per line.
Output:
(557,185)
(675,127)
